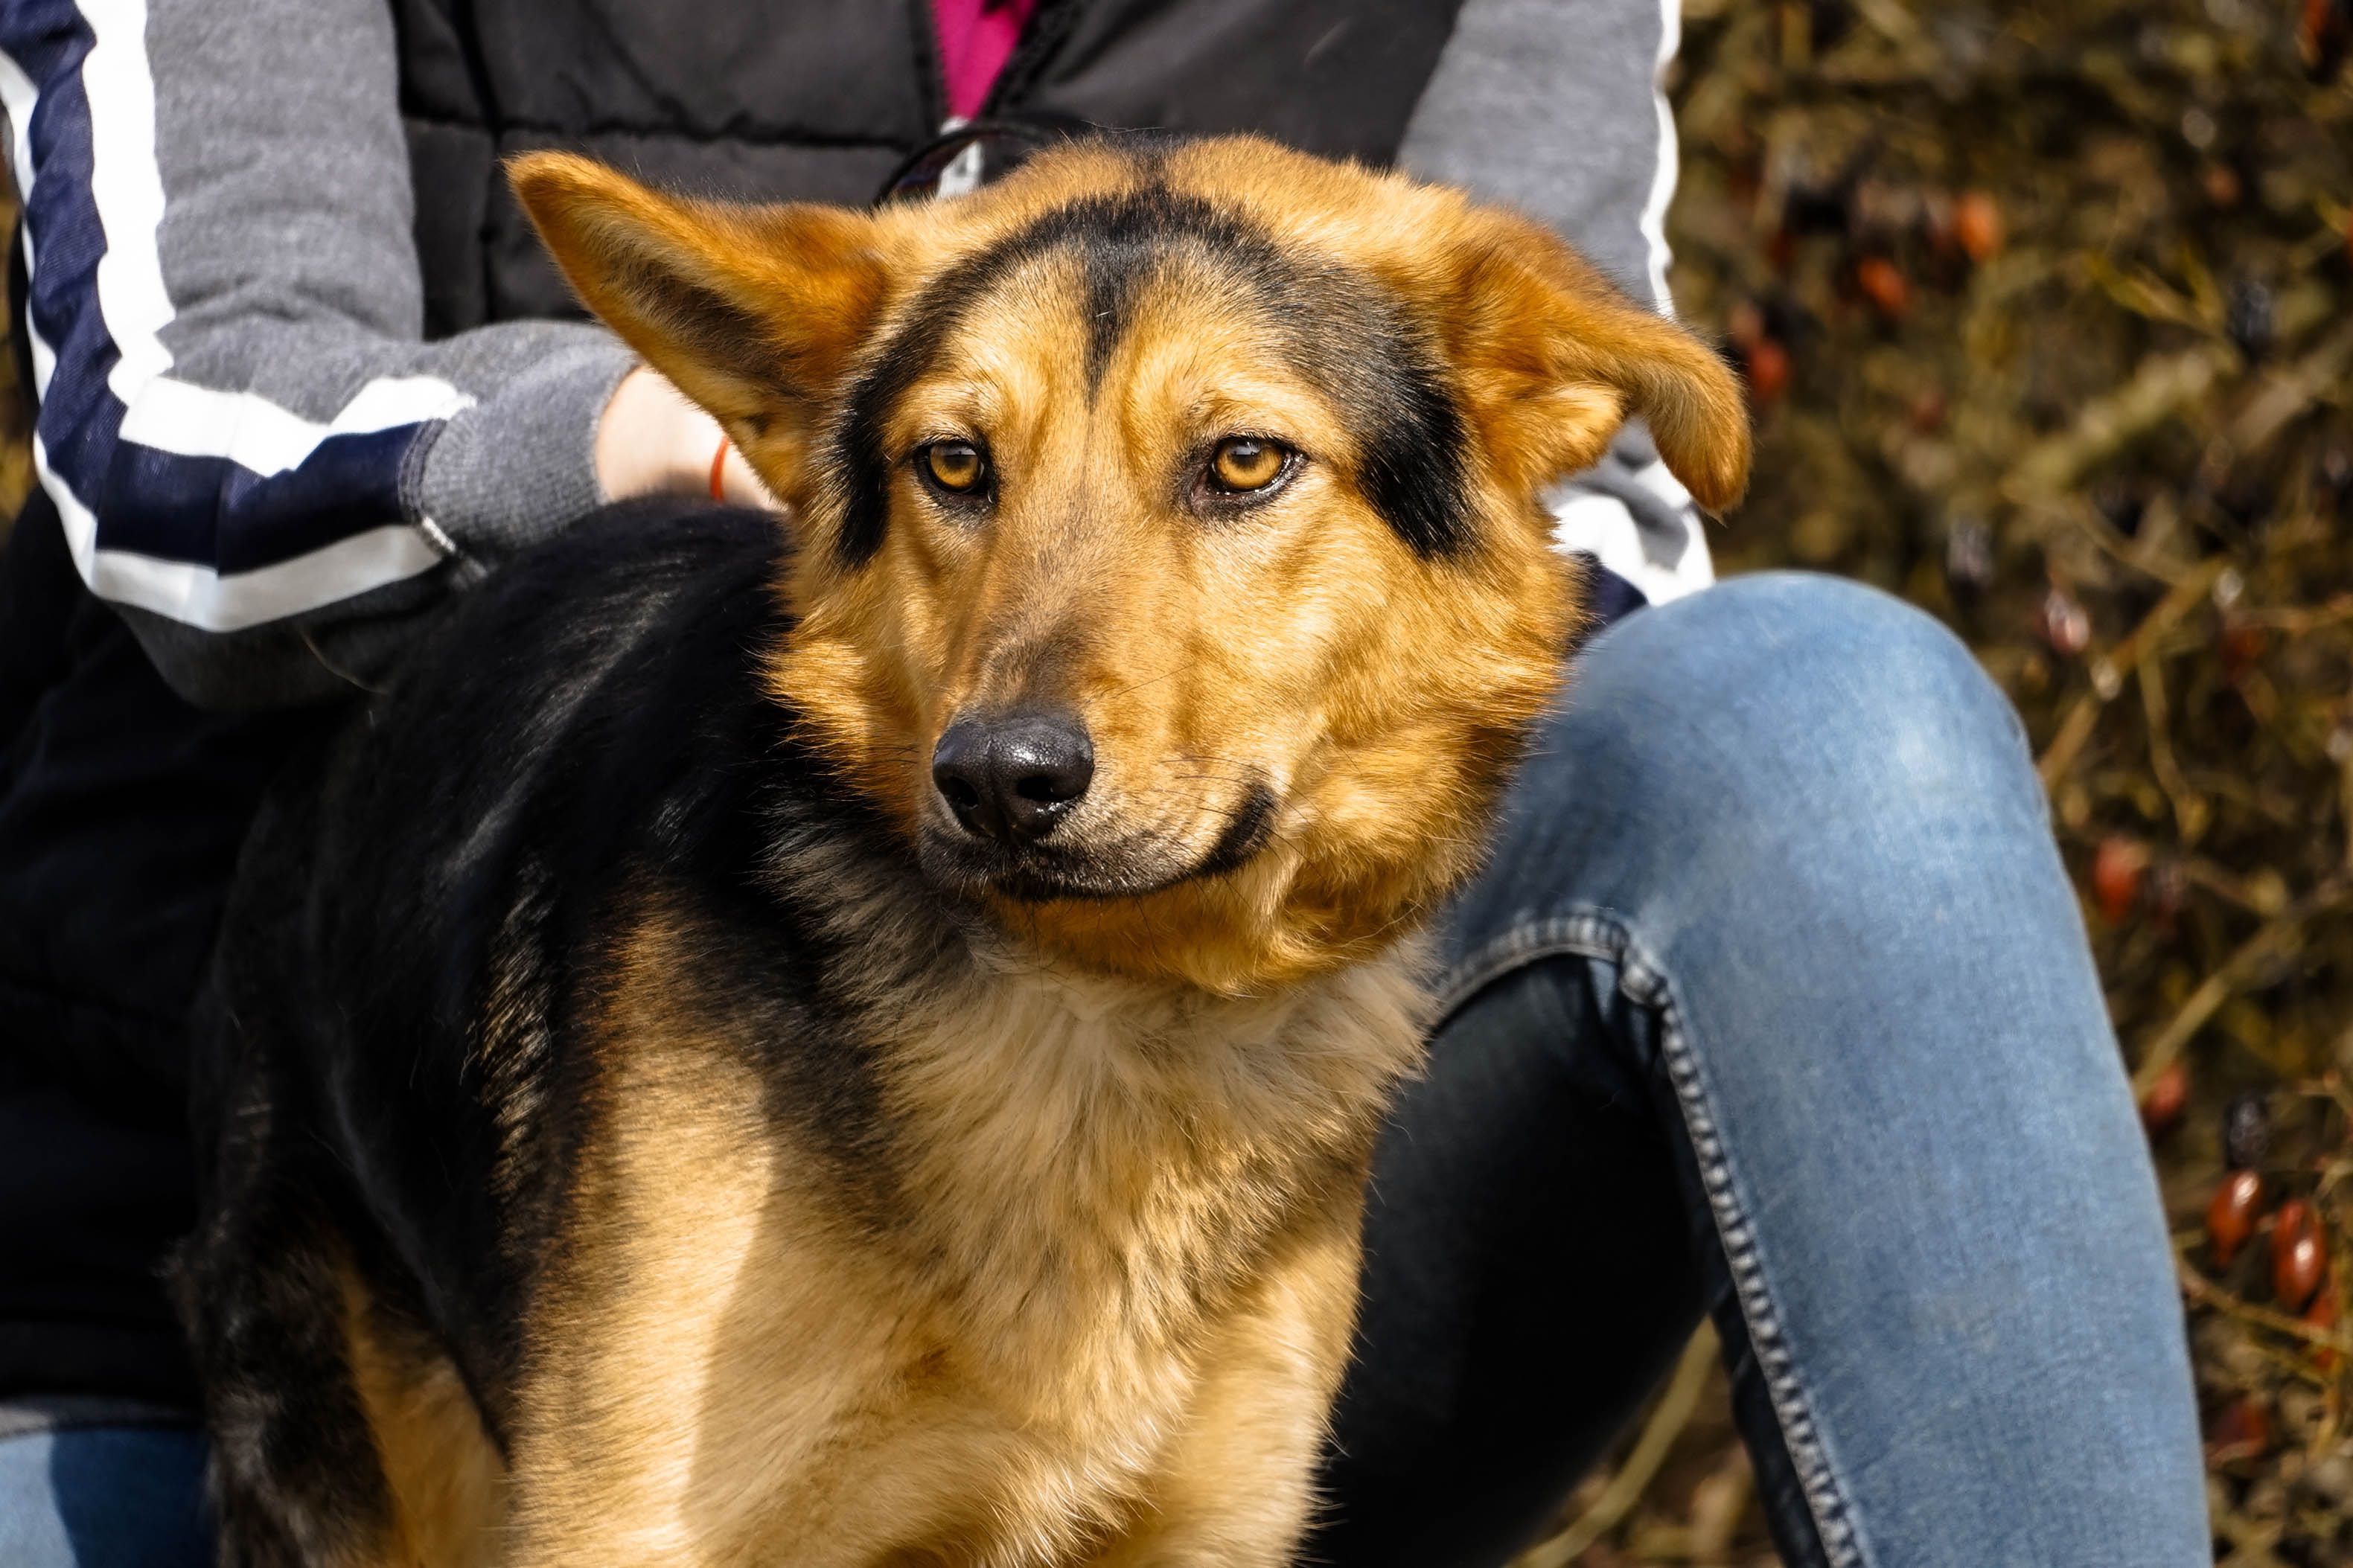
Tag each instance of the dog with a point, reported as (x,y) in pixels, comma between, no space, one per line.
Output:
(855,1036)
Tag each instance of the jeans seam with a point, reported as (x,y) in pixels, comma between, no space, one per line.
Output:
(1592,934)
(1581,935)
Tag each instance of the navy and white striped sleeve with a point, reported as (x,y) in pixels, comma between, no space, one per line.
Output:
(239,423)
(1555,107)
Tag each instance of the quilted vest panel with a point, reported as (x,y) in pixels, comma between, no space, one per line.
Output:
(820,99)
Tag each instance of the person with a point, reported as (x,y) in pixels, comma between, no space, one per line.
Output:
(1774,1004)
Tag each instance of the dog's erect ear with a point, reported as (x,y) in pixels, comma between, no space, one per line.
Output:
(1554,358)
(751,311)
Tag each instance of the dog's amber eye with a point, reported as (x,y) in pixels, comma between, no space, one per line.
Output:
(1246,463)
(956,466)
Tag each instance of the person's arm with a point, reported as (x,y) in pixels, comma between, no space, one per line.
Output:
(256,455)
(1556,109)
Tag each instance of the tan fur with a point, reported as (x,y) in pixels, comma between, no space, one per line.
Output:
(1129,1284)
(447,1483)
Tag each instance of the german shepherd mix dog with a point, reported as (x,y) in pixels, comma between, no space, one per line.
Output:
(855,1039)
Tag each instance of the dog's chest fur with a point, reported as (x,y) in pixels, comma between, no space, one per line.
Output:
(1085,1183)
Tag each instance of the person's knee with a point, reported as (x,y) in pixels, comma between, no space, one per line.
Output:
(1798,699)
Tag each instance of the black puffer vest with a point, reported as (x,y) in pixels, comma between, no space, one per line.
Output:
(820,99)
(121,808)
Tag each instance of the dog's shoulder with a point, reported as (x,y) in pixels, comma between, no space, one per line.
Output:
(583,678)
(594,700)
(430,904)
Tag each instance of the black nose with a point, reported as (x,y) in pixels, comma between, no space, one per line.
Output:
(1011,779)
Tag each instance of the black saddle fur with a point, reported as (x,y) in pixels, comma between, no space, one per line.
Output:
(389,1081)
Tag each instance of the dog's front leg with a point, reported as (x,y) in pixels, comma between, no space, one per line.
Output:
(1236,1487)
(698,1358)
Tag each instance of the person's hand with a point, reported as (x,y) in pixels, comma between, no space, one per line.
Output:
(652,441)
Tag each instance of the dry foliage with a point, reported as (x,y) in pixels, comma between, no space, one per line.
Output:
(2048,316)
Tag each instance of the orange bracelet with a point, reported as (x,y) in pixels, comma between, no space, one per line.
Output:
(718,464)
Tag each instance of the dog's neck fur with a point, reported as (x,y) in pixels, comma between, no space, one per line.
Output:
(1139,1145)
(1084,1144)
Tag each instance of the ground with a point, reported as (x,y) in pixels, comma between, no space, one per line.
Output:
(2047,313)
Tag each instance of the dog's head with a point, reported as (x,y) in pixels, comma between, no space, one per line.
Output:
(1170,560)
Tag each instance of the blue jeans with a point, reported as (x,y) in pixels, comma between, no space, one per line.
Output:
(1773,1003)
(104,1497)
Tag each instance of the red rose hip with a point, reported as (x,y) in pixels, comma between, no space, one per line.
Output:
(2116,876)
(2162,1105)
(2299,1255)
(2231,1217)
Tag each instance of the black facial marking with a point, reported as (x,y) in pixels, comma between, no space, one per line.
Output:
(1412,469)
(1246,834)
(712,327)
(1343,330)
(1124,240)
(1122,236)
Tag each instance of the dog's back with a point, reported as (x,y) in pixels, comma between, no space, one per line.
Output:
(412,942)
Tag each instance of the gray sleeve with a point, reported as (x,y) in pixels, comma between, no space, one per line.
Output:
(255,452)
(1555,107)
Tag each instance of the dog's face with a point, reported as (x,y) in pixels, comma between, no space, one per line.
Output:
(1170,558)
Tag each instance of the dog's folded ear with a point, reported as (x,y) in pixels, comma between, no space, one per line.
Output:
(753,311)
(1554,357)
